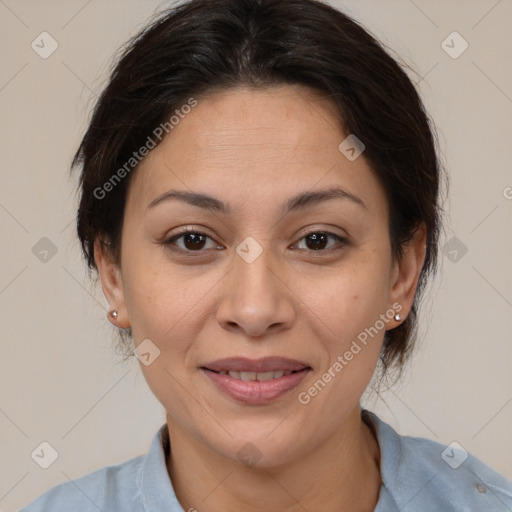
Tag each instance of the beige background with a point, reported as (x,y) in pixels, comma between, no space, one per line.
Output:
(60,381)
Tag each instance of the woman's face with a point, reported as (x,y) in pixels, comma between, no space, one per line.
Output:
(251,284)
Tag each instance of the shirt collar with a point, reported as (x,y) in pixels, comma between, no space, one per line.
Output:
(154,484)
(390,454)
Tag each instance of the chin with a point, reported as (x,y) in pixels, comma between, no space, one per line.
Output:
(260,446)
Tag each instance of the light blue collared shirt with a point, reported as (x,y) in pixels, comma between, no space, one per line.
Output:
(418,475)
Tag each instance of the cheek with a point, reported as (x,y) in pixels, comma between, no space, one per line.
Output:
(351,299)
(349,326)
(350,308)
(157,296)
(170,310)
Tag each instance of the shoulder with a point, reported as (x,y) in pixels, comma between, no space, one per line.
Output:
(420,474)
(100,490)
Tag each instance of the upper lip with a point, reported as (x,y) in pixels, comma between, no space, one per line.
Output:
(265,364)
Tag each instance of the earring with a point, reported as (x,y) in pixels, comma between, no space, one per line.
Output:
(114,313)
(398,317)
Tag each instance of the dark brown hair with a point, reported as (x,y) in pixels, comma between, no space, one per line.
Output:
(201,46)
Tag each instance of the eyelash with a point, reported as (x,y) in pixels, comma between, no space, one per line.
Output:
(169,242)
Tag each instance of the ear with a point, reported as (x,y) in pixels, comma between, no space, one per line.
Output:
(111,283)
(406,272)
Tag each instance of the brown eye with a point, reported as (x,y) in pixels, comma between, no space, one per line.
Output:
(191,241)
(319,240)
(194,241)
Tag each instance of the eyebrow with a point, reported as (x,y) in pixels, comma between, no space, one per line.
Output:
(298,202)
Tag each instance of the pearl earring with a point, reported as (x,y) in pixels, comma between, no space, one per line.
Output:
(114,313)
(398,317)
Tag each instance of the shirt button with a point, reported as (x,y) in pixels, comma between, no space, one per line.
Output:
(481,488)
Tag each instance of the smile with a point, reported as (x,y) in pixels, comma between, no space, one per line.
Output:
(256,376)
(255,388)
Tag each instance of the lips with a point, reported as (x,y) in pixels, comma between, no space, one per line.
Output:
(255,381)
(263,365)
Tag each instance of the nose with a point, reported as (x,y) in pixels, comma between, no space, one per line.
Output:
(255,298)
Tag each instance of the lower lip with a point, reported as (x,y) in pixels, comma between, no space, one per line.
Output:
(256,392)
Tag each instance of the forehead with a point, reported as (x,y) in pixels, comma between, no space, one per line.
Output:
(284,115)
(257,141)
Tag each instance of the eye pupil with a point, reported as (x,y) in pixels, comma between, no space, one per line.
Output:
(319,240)
(197,240)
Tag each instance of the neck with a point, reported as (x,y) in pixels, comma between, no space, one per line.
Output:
(341,474)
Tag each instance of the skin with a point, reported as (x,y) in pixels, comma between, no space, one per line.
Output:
(254,150)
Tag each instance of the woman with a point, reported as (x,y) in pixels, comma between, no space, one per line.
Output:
(260,197)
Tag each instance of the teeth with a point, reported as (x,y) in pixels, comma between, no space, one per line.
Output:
(248,375)
(265,376)
(259,376)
